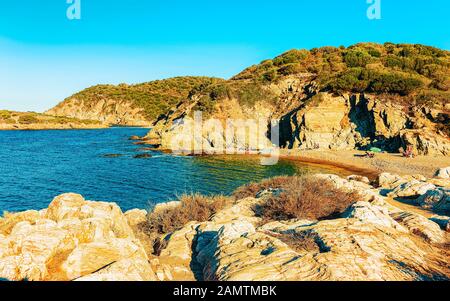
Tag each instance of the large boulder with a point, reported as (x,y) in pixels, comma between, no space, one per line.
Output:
(442,221)
(73,238)
(127,269)
(368,213)
(69,206)
(92,257)
(8,222)
(412,189)
(421,226)
(389,181)
(425,142)
(346,249)
(443,173)
(136,217)
(436,199)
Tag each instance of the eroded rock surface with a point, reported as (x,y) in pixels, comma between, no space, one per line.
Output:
(72,239)
(75,239)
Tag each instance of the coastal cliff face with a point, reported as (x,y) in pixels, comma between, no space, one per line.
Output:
(367,95)
(105,110)
(75,239)
(310,119)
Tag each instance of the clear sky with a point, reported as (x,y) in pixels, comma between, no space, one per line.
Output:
(45,57)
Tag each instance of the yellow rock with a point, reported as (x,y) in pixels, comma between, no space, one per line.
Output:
(89,258)
(65,206)
(136,217)
(8,222)
(124,270)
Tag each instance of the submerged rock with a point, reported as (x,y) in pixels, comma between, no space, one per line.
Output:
(142,156)
(112,155)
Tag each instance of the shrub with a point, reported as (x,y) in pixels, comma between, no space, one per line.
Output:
(252,189)
(300,197)
(357,58)
(354,80)
(394,83)
(374,52)
(291,69)
(270,76)
(5,114)
(28,119)
(366,80)
(219,92)
(251,93)
(192,208)
(291,56)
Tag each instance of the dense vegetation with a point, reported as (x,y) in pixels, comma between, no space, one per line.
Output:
(154,97)
(246,92)
(401,69)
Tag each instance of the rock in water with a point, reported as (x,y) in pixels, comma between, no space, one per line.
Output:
(142,156)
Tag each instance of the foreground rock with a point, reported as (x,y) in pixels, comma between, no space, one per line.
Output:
(432,194)
(75,239)
(443,173)
(354,121)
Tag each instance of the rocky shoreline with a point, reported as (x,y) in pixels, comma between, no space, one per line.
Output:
(11,120)
(75,239)
(51,126)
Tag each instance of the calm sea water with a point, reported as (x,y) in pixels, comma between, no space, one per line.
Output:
(36,166)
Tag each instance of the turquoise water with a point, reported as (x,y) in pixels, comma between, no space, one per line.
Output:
(36,166)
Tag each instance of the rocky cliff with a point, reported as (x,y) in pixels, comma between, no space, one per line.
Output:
(322,120)
(367,95)
(372,239)
(106,111)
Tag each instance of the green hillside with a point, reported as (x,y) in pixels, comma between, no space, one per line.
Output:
(154,97)
(412,75)
(409,74)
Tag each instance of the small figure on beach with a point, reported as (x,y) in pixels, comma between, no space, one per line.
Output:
(408,153)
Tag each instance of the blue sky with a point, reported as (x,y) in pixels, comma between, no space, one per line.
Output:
(44,57)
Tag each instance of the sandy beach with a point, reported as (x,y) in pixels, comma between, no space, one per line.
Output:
(383,162)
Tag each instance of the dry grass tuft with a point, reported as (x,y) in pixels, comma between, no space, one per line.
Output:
(300,197)
(193,207)
(164,221)
(252,189)
(302,242)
